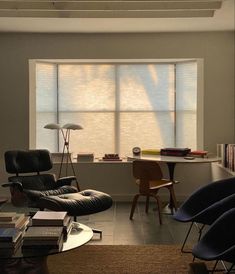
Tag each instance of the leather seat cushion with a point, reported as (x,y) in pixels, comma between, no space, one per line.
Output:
(77,204)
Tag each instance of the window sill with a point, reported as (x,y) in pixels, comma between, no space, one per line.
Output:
(99,161)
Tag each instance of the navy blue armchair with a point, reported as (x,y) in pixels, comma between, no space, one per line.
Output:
(218,243)
(206,204)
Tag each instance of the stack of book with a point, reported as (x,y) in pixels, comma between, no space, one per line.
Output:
(53,218)
(198,153)
(10,239)
(14,220)
(111,157)
(47,237)
(48,230)
(175,151)
(12,229)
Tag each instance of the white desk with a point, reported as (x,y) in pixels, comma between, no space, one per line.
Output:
(171,161)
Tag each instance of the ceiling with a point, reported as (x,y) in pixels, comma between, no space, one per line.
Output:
(88,16)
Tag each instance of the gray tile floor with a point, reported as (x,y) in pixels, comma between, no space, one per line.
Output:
(119,230)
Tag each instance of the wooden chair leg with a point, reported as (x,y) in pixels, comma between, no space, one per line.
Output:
(147,204)
(134,202)
(159,208)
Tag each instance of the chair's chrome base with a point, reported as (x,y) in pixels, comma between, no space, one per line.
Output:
(186,238)
(98,231)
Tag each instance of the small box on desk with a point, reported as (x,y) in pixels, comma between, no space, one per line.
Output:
(85,157)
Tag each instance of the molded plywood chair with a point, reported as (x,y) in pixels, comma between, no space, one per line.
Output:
(207,204)
(218,243)
(149,179)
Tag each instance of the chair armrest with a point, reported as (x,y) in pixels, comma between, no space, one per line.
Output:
(17,185)
(65,181)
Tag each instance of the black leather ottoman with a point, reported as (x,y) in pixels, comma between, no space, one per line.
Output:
(77,204)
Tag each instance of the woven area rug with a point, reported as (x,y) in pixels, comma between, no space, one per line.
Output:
(115,259)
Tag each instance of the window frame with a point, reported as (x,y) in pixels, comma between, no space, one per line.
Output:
(200,91)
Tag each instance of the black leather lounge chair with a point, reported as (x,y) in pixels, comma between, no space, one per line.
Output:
(29,187)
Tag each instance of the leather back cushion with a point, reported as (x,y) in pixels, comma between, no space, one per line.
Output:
(27,161)
(36,182)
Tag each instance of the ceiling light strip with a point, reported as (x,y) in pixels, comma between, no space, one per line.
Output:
(106,14)
(73,5)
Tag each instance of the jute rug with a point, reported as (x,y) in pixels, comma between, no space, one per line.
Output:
(115,259)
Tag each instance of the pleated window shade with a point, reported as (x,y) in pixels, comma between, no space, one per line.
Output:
(119,105)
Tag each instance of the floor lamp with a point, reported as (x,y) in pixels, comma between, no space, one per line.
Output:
(65,131)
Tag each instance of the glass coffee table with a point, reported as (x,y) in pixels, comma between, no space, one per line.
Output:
(35,261)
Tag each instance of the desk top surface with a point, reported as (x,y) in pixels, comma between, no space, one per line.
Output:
(173,159)
(77,237)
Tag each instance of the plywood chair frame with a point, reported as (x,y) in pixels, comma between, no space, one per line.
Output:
(150,180)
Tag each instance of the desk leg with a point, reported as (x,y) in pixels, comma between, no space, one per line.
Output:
(168,209)
(171,169)
(37,265)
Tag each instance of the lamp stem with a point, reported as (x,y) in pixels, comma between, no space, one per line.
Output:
(67,146)
(66,137)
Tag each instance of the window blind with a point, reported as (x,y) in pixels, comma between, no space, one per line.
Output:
(119,105)
(46,105)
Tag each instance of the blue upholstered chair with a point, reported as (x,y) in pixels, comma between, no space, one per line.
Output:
(218,243)
(206,204)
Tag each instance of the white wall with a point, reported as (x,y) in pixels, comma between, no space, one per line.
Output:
(215,48)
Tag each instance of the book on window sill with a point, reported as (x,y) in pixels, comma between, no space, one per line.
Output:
(111,160)
(111,157)
(50,218)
